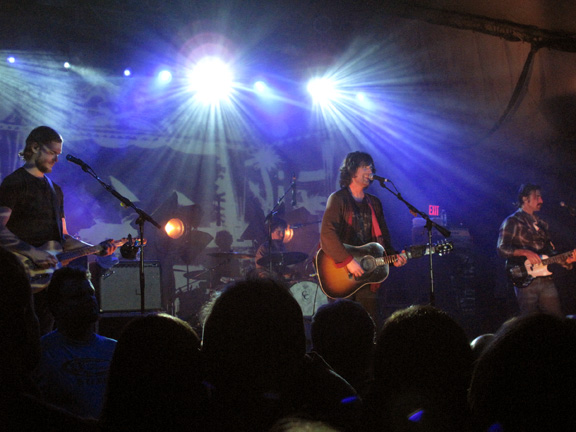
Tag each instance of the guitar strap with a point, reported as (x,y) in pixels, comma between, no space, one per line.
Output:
(377,233)
(56,208)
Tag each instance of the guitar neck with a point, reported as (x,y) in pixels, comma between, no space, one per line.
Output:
(77,253)
(389,259)
(557,259)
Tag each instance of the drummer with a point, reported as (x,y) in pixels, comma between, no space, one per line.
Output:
(276,237)
(224,271)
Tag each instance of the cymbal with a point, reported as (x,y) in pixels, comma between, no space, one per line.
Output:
(236,255)
(282,258)
(194,274)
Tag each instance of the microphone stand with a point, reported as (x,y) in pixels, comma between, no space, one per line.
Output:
(268,220)
(429,225)
(143,217)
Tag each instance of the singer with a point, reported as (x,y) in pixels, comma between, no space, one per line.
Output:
(32,211)
(522,239)
(355,217)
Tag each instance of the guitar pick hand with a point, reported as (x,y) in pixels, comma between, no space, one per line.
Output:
(354,268)
(42,259)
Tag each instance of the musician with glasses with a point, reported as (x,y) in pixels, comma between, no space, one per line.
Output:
(355,217)
(522,239)
(32,211)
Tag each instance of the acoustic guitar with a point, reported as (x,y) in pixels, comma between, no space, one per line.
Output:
(337,282)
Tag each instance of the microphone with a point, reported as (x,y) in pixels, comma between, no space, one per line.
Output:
(380,179)
(570,209)
(77,161)
(293,189)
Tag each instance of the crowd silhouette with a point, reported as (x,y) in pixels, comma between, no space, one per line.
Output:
(249,370)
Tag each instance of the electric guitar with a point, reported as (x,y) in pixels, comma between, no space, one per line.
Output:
(522,274)
(40,277)
(337,282)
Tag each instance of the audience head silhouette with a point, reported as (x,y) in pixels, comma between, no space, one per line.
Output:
(19,331)
(72,301)
(254,337)
(155,379)
(422,368)
(344,333)
(525,380)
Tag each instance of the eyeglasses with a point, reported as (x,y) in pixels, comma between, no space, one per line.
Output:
(50,151)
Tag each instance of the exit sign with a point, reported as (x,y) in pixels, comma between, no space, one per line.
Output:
(433,210)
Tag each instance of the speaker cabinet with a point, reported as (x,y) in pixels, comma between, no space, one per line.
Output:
(120,287)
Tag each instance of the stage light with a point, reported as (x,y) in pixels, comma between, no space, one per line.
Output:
(11,60)
(183,236)
(288,234)
(165,76)
(66,65)
(183,220)
(211,80)
(322,90)
(260,87)
(175,228)
(127,72)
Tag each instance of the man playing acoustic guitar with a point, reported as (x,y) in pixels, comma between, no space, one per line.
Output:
(355,217)
(522,239)
(32,211)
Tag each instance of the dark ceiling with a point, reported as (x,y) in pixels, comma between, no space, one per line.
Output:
(108,33)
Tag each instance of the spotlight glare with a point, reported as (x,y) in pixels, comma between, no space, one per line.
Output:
(361,97)
(211,80)
(66,65)
(260,87)
(11,60)
(322,90)
(165,76)
(127,72)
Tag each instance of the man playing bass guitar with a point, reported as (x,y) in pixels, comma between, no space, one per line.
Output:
(523,237)
(32,211)
(355,217)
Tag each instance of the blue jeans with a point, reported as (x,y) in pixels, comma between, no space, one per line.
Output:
(540,296)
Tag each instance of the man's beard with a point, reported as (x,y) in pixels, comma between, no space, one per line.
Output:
(43,168)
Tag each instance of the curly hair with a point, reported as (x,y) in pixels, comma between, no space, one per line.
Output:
(351,163)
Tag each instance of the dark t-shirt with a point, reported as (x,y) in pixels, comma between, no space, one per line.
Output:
(31,200)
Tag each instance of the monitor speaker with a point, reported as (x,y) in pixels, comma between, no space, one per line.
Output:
(120,287)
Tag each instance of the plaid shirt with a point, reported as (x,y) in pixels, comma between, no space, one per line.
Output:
(521,230)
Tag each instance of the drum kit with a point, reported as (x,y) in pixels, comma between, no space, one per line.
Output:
(306,291)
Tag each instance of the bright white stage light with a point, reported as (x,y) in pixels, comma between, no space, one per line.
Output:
(165,76)
(211,80)
(127,72)
(66,65)
(11,59)
(260,87)
(322,90)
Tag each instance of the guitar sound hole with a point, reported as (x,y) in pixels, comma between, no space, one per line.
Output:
(368,263)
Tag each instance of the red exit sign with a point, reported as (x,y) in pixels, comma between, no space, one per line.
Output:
(433,210)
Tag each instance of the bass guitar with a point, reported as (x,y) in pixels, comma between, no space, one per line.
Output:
(521,274)
(40,277)
(337,282)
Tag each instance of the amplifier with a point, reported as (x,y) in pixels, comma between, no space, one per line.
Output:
(120,287)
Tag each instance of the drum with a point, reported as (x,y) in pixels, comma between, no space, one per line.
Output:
(309,296)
